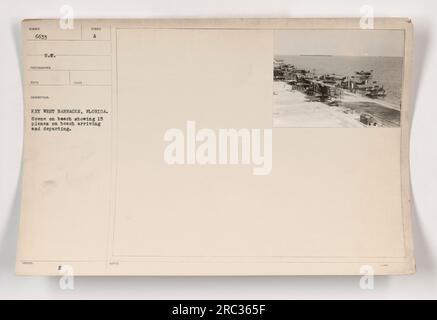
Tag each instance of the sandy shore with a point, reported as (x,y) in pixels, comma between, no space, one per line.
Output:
(290,109)
(351,97)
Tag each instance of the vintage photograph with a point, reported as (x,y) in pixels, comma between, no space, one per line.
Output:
(337,78)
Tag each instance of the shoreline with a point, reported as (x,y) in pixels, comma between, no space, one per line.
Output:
(356,97)
(291,108)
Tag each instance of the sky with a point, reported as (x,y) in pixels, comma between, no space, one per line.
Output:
(389,43)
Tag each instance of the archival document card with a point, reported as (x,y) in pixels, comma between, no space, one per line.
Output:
(216,147)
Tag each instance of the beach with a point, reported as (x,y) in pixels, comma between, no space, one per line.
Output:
(291,108)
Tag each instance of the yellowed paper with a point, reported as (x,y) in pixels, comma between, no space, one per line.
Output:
(313,188)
